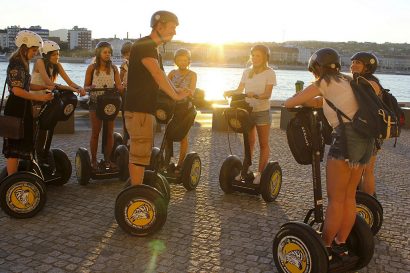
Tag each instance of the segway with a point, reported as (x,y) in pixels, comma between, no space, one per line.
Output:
(177,127)
(141,210)
(298,247)
(108,105)
(238,117)
(23,194)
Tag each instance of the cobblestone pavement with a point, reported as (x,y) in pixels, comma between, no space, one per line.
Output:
(206,230)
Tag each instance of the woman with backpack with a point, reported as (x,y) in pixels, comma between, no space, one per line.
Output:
(365,64)
(349,151)
(101,74)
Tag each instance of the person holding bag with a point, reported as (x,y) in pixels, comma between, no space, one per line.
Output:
(19,101)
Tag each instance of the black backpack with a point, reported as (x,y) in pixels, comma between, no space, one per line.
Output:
(299,137)
(373,119)
(391,102)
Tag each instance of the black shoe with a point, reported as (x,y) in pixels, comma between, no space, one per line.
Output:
(340,249)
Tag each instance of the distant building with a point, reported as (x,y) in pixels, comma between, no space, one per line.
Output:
(3,38)
(61,33)
(13,30)
(79,38)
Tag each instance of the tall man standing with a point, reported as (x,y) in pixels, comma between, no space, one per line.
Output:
(146,77)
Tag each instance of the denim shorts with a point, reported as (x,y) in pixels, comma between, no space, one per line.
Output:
(359,149)
(261,118)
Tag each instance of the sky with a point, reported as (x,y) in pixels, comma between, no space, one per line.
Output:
(222,21)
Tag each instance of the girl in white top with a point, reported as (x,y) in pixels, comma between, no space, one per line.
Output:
(101,74)
(346,159)
(257,82)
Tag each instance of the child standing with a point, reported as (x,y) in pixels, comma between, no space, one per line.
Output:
(182,78)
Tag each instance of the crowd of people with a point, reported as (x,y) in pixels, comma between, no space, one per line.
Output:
(142,76)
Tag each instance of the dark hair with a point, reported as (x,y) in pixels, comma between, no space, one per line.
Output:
(51,69)
(97,64)
(327,74)
(126,48)
(20,55)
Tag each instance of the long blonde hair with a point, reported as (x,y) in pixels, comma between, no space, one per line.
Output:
(20,55)
(266,52)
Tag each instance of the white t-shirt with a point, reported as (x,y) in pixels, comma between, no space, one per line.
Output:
(37,79)
(341,95)
(257,86)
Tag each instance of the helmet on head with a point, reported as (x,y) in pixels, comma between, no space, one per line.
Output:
(368,59)
(28,38)
(49,46)
(262,48)
(163,16)
(126,47)
(182,52)
(324,57)
(101,45)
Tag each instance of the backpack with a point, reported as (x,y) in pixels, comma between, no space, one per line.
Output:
(391,102)
(373,118)
(299,137)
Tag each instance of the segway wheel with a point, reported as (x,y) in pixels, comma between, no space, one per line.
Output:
(118,140)
(121,154)
(22,195)
(23,168)
(82,166)
(297,247)
(271,181)
(361,242)
(230,169)
(63,166)
(3,174)
(191,171)
(140,210)
(155,157)
(370,209)
(159,182)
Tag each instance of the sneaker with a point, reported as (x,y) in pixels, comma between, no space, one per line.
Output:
(340,249)
(257,179)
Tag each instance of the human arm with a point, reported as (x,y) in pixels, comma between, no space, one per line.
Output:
(306,97)
(192,84)
(117,80)
(161,79)
(20,92)
(238,90)
(71,85)
(88,77)
(265,95)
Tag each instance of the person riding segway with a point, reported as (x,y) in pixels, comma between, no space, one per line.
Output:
(238,117)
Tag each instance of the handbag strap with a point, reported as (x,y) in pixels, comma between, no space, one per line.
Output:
(337,110)
(2,97)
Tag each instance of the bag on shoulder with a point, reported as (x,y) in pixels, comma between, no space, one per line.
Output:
(373,118)
(391,102)
(299,138)
(11,127)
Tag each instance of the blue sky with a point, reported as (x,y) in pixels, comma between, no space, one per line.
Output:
(224,21)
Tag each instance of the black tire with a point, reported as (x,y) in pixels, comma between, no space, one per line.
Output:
(63,167)
(361,242)
(122,156)
(22,195)
(34,167)
(370,209)
(158,182)
(155,156)
(82,166)
(140,210)
(118,140)
(230,168)
(191,171)
(298,248)
(3,174)
(271,182)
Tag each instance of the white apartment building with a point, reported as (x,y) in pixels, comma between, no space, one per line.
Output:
(79,38)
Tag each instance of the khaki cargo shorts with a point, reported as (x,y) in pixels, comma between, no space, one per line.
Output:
(140,127)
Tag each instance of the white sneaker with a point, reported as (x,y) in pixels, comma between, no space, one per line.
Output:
(257,179)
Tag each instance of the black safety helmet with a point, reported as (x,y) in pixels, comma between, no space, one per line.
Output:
(262,48)
(163,16)
(101,45)
(324,57)
(368,59)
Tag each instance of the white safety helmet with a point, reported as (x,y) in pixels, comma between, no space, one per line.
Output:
(49,46)
(28,38)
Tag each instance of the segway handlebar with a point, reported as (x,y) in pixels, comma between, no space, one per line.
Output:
(102,89)
(303,109)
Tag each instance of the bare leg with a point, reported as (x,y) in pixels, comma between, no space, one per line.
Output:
(183,150)
(136,174)
(12,165)
(252,140)
(263,136)
(368,183)
(110,141)
(95,132)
